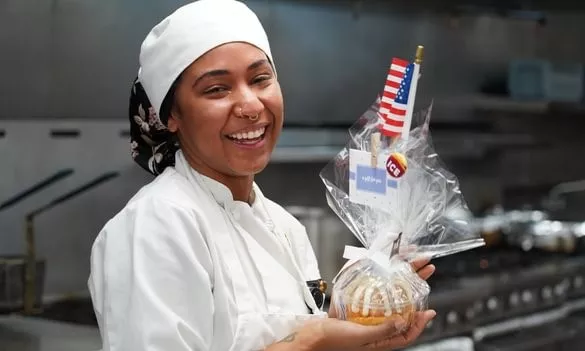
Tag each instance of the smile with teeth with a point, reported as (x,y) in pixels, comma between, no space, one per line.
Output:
(251,136)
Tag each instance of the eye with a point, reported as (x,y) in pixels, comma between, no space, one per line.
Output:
(215,90)
(261,78)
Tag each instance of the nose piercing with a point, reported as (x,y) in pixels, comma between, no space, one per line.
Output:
(251,118)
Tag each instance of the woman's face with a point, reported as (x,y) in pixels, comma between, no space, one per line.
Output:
(213,100)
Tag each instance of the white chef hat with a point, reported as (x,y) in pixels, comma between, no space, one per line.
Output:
(188,33)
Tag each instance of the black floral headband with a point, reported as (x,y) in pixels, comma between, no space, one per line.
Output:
(152,145)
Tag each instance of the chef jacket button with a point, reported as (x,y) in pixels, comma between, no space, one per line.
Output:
(236,214)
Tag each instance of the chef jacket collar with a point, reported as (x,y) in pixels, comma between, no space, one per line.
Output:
(219,191)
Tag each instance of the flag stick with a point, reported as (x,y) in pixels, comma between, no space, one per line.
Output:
(412,93)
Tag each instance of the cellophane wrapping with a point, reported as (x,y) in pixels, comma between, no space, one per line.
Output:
(380,283)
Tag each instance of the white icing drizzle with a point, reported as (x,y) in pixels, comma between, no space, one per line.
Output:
(356,299)
(391,299)
(367,301)
(387,307)
(397,303)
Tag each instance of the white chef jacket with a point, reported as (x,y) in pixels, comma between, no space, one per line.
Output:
(185,267)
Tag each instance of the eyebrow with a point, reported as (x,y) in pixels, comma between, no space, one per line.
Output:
(223,72)
(258,64)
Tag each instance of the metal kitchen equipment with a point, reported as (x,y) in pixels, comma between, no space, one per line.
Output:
(12,267)
(526,291)
(328,236)
(556,199)
(491,294)
(26,267)
(36,188)
(532,230)
(30,276)
(552,236)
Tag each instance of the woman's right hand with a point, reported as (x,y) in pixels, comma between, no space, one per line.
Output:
(331,334)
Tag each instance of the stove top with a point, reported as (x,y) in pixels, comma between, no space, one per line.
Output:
(487,286)
(484,261)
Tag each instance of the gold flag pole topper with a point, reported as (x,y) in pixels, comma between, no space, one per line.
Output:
(420,52)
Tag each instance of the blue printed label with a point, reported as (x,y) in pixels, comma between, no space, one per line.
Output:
(370,186)
(392,184)
(371,179)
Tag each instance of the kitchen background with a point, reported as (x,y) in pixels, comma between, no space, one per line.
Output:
(506,79)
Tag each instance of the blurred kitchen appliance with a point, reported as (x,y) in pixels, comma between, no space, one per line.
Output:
(552,236)
(562,335)
(531,230)
(525,290)
(30,276)
(31,290)
(492,293)
(496,225)
(542,80)
(460,343)
(556,199)
(12,282)
(13,268)
(60,175)
(526,79)
(328,236)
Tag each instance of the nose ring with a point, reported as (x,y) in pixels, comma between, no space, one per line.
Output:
(251,118)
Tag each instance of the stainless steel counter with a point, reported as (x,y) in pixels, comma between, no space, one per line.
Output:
(30,334)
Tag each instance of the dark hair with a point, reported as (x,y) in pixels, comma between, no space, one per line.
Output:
(169,101)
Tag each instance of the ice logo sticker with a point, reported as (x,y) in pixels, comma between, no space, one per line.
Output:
(371,179)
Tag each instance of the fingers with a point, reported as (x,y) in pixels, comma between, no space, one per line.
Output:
(379,332)
(423,268)
(426,272)
(332,311)
(422,319)
(402,340)
(419,263)
(337,334)
(360,335)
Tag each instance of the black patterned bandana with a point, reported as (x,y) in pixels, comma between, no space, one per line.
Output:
(153,147)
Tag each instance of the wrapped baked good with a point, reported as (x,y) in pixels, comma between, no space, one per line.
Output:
(366,294)
(391,190)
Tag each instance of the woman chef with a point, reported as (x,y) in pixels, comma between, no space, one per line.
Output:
(199,259)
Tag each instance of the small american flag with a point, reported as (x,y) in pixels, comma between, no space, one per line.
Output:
(394,104)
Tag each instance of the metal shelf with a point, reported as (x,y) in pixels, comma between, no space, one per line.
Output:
(512,106)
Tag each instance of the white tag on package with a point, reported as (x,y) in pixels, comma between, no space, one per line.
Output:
(367,185)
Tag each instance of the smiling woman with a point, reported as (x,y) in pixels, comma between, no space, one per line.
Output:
(199,259)
(228,112)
